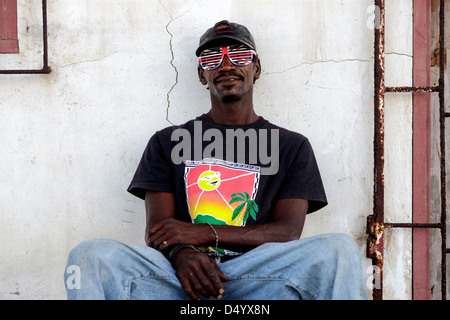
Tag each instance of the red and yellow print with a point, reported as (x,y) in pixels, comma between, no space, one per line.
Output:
(211,184)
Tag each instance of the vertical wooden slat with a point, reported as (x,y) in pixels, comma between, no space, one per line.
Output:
(8,27)
(421,149)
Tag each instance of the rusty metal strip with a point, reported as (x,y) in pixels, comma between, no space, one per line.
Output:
(375,222)
(443,150)
(413,225)
(46,69)
(412,89)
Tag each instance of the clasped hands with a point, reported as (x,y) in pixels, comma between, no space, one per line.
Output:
(197,273)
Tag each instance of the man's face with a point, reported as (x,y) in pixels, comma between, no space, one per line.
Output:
(230,82)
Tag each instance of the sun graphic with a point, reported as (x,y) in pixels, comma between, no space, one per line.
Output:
(211,189)
(209,180)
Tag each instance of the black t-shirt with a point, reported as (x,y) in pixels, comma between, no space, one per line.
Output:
(229,174)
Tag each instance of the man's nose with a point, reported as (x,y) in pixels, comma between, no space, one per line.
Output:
(226,64)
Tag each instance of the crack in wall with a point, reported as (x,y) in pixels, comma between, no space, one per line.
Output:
(172,54)
(174,67)
(316,62)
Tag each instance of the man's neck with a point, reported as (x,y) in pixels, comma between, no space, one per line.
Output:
(235,112)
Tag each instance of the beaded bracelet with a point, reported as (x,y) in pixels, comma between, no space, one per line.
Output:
(216,253)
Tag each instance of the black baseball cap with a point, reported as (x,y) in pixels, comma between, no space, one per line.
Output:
(225,30)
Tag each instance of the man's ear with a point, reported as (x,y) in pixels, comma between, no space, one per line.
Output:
(257,65)
(201,76)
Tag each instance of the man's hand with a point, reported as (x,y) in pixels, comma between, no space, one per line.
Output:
(171,232)
(199,273)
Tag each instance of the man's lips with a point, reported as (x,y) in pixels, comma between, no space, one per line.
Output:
(227,78)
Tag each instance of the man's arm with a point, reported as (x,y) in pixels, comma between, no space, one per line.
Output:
(287,225)
(163,230)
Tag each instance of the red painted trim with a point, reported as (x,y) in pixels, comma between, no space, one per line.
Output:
(421,149)
(9,42)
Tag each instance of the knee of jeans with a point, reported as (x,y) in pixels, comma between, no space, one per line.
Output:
(340,245)
(337,246)
(91,250)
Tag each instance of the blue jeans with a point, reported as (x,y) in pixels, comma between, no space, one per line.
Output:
(321,267)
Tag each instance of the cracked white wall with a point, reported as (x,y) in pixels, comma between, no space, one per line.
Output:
(71,140)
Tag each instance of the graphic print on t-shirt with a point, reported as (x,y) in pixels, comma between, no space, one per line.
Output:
(221,192)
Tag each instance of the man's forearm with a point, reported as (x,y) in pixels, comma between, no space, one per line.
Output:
(289,218)
(243,239)
(172,232)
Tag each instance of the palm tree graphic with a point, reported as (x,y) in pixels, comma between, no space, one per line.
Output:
(246,208)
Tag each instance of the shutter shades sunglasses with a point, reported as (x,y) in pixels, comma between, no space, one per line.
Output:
(239,55)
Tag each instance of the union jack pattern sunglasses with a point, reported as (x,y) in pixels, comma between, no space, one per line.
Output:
(239,55)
